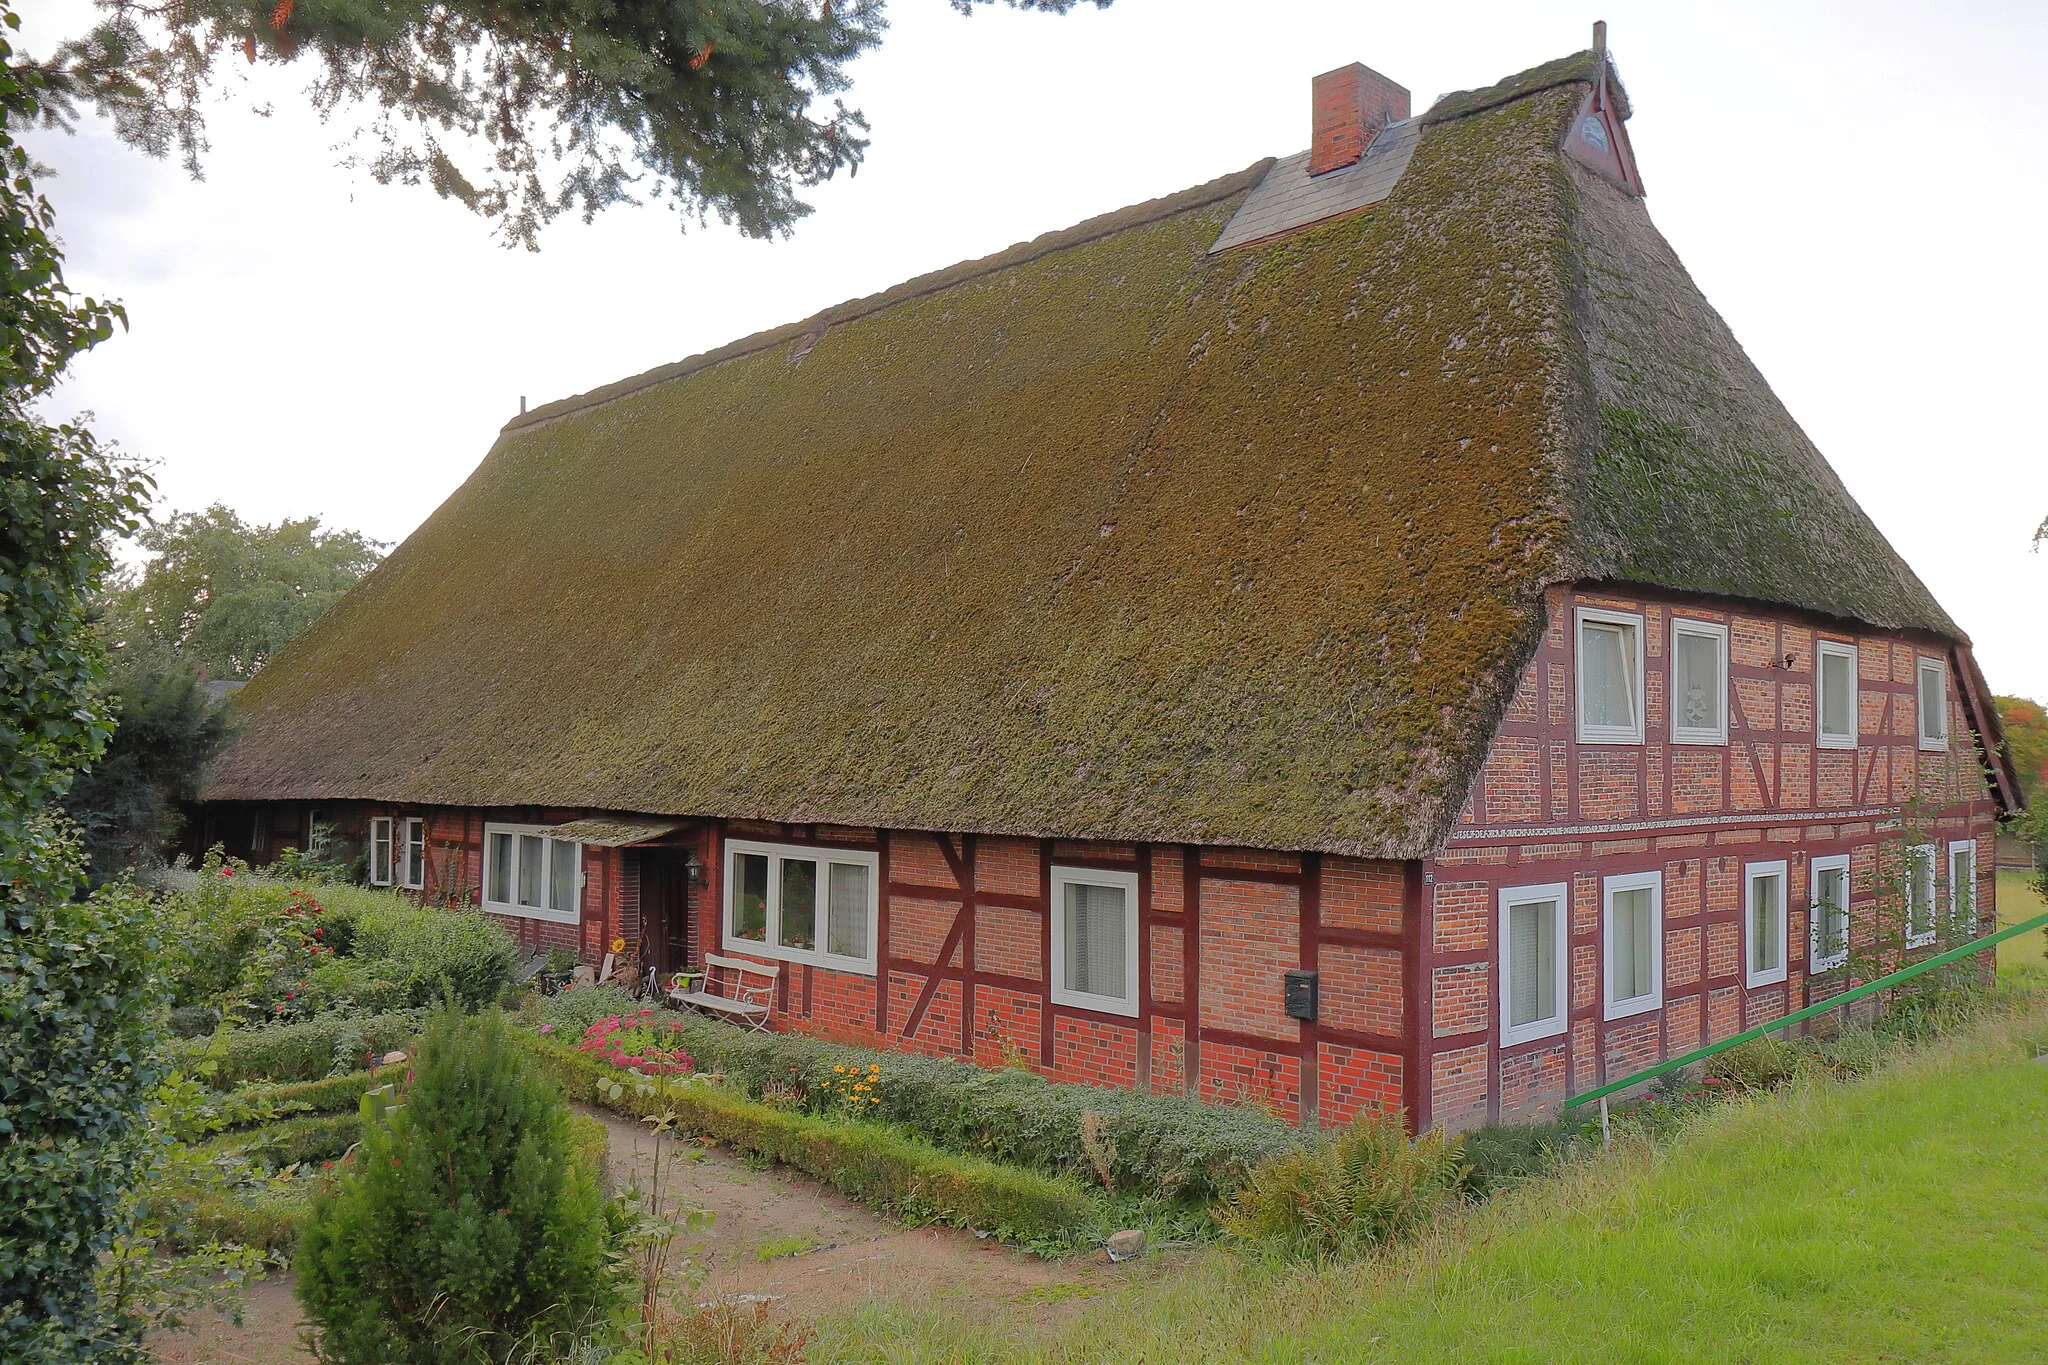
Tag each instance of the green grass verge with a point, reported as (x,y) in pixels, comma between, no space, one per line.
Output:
(2019,900)
(870,1161)
(1900,1217)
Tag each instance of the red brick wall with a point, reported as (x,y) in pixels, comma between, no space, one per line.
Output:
(1694,813)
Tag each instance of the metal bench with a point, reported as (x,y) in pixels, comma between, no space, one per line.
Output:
(749,989)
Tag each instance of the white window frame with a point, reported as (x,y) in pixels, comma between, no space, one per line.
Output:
(409,877)
(1751,873)
(1605,734)
(573,915)
(1932,743)
(1962,913)
(1713,630)
(1062,878)
(1927,853)
(1816,961)
(379,837)
(1551,1025)
(772,945)
(1654,1000)
(1823,649)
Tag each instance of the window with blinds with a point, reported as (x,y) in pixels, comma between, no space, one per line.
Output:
(1920,895)
(1933,689)
(413,854)
(1532,927)
(802,903)
(1634,943)
(380,851)
(1699,682)
(1095,939)
(1836,714)
(1962,888)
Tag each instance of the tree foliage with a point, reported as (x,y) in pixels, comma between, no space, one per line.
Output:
(224,596)
(522,109)
(2026,737)
(503,1246)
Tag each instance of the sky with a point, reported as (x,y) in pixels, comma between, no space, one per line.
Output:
(1860,189)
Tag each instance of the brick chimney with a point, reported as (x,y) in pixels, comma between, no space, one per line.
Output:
(1352,104)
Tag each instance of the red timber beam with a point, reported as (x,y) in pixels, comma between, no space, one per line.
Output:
(1414,1052)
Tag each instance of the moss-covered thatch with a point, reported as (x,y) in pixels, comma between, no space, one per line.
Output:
(1103,537)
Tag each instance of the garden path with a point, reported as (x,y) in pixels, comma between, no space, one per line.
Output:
(773,1232)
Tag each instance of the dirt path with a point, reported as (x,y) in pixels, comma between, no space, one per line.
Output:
(810,1250)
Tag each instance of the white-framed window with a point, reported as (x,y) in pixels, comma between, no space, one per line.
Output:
(1920,895)
(1827,923)
(1095,939)
(412,854)
(1610,677)
(1763,923)
(1835,707)
(1933,679)
(1699,682)
(802,903)
(1633,906)
(380,850)
(1533,993)
(528,874)
(1962,887)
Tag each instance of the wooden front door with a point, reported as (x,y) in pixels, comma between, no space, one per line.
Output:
(665,908)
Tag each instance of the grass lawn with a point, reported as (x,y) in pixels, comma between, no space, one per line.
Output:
(2017,901)
(1904,1217)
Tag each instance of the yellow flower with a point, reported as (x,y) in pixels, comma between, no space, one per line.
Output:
(618,945)
(840,1069)
(874,1099)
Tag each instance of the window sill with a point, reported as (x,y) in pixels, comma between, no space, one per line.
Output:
(1774,977)
(808,957)
(1629,1009)
(1925,940)
(1095,1004)
(1610,737)
(532,912)
(1834,742)
(1701,737)
(1821,965)
(1511,1036)
(1933,746)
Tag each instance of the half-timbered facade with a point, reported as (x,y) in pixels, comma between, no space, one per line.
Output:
(1358,633)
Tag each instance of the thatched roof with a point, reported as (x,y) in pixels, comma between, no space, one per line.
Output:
(1104,536)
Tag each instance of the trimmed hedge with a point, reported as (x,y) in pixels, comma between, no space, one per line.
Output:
(332,1095)
(1166,1145)
(327,1045)
(296,1141)
(874,1162)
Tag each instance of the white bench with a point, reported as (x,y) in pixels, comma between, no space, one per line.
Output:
(749,990)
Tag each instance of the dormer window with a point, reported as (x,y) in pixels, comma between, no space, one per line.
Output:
(1933,677)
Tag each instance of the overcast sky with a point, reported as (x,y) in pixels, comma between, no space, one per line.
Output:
(1859,188)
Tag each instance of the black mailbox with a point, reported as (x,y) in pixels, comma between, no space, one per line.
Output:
(1301,994)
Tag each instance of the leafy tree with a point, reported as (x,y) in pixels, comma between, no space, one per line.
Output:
(461,1230)
(225,595)
(127,805)
(522,109)
(2026,737)
(77,1009)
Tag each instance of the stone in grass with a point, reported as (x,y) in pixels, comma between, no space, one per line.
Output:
(393,1058)
(1127,1245)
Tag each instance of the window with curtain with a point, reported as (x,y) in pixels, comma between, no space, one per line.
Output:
(1829,931)
(526,873)
(1764,939)
(1532,922)
(1634,943)
(1095,939)
(1699,682)
(1920,895)
(413,855)
(1610,681)
(380,851)
(802,903)
(1837,709)
(1962,887)
(1933,675)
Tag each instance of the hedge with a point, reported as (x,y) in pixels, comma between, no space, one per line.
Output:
(1167,1145)
(295,1141)
(306,1051)
(331,1095)
(869,1160)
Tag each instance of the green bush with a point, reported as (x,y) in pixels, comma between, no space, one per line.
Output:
(874,1162)
(1502,1154)
(568,1013)
(1759,1064)
(500,1243)
(1167,1145)
(440,951)
(265,1218)
(1348,1193)
(326,1045)
(297,1141)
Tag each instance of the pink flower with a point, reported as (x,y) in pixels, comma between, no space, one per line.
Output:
(547,1028)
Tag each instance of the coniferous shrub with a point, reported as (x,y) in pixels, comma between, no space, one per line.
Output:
(464,1230)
